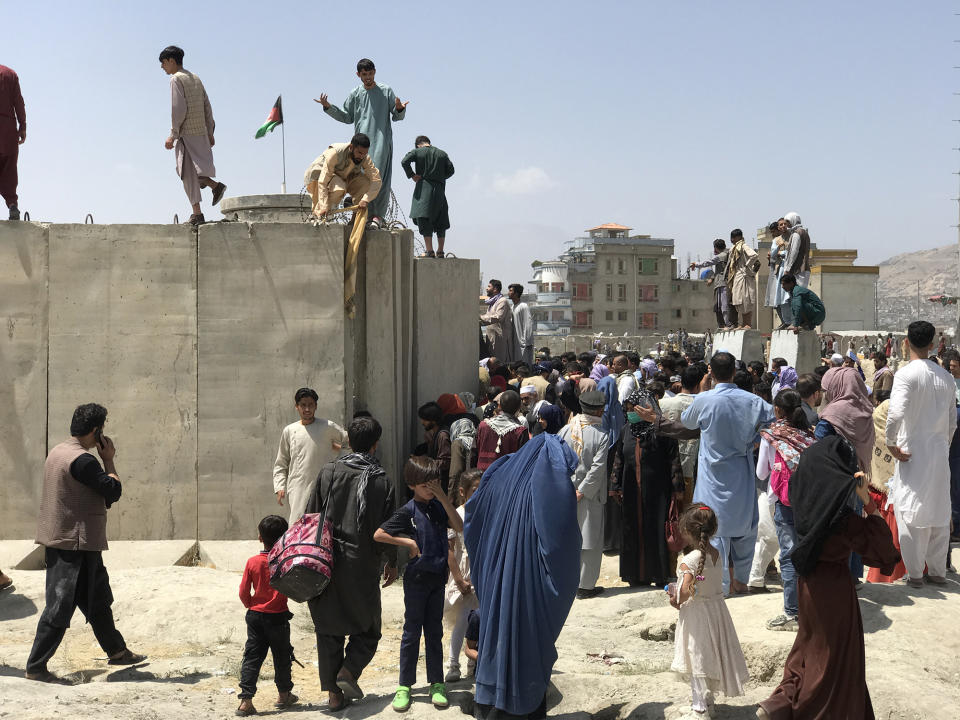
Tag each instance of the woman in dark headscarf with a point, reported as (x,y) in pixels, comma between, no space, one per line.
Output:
(825,673)
(649,474)
(523,541)
(545,417)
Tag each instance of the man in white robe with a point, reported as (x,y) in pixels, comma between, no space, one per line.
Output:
(305,447)
(522,324)
(626,381)
(584,435)
(921,420)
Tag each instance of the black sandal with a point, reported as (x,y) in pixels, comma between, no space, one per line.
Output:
(127,658)
(427,254)
(440,254)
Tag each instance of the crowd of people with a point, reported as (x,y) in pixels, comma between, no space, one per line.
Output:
(698,471)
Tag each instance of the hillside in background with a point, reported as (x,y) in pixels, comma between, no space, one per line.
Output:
(936,270)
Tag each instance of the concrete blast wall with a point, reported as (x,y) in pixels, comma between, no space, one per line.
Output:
(195,341)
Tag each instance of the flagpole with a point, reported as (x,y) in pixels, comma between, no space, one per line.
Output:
(283,145)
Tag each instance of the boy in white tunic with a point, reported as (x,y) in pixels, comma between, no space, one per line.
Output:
(920,424)
(305,447)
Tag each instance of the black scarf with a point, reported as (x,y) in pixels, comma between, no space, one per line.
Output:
(821,489)
(369,467)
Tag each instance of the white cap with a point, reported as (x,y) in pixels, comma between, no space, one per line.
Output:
(528,390)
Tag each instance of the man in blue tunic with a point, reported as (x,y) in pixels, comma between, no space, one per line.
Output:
(729,419)
(370,107)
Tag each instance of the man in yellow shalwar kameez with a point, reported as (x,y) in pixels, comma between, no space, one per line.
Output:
(343,168)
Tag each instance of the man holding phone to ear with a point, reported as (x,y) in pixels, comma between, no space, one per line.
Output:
(72,527)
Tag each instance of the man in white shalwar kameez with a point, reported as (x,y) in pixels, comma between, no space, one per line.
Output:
(921,420)
(305,447)
(522,324)
(584,435)
(191,131)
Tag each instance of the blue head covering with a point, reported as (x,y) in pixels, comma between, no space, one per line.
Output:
(612,422)
(552,414)
(524,544)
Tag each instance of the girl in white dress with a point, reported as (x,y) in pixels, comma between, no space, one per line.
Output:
(459,598)
(707,651)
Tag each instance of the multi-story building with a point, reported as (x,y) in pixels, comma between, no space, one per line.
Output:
(551,302)
(621,283)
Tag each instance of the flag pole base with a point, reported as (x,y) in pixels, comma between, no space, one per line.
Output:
(283,188)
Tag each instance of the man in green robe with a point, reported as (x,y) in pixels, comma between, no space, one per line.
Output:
(430,168)
(370,108)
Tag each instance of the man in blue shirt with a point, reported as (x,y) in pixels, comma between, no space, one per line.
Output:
(729,419)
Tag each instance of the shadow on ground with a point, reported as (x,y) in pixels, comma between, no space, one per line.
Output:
(14,606)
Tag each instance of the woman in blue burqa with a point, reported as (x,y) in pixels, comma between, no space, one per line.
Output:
(523,540)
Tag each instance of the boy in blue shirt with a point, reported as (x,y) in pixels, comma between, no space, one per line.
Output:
(421,527)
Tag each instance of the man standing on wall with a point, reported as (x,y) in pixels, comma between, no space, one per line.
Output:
(191,132)
(430,168)
(305,447)
(741,273)
(72,527)
(523,324)
(12,114)
(722,306)
(371,107)
(796,262)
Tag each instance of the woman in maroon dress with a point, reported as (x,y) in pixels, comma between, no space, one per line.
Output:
(825,675)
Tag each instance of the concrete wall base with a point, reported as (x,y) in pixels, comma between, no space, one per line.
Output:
(745,345)
(800,350)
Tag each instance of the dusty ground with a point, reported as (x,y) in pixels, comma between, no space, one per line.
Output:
(190,622)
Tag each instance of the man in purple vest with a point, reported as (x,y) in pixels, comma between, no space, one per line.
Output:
(72,527)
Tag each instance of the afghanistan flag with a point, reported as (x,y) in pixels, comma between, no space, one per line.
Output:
(273,119)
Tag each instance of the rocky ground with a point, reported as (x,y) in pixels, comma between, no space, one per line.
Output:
(615,652)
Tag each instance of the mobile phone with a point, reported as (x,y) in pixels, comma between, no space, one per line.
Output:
(98,436)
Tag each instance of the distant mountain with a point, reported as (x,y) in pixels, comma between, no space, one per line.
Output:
(936,270)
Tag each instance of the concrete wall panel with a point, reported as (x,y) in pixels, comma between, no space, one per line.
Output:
(800,350)
(446,327)
(384,363)
(270,321)
(23,375)
(122,333)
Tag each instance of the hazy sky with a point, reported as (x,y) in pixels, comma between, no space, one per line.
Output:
(680,120)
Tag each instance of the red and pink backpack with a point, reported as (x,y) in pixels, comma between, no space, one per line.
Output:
(301,562)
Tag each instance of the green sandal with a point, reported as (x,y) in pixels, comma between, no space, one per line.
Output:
(438,695)
(401,701)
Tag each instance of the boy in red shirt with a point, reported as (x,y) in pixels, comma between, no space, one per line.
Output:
(268,624)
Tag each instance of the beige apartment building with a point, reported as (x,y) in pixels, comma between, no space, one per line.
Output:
(622,283)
